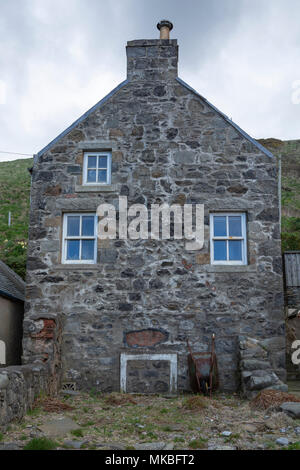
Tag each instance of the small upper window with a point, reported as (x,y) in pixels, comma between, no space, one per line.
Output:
(97,168)
(228,238)
(79,238)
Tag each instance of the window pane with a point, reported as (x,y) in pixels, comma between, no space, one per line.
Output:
(102,162)
(235,250)
(220,251)
(92,161)
(235,226)
(87,249)
(73,249)
(102,176)
(91,176)
(87,225)
(220,226)
(73,226)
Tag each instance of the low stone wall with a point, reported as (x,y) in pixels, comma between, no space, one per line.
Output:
(19,386)
(257,369)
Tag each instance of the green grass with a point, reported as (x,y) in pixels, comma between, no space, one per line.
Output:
(294,446)
(1,436)
(232,437)
(14,198)
(178,439)
(41,443)
(34,411)
(199,443)
(77,432)
(290,189)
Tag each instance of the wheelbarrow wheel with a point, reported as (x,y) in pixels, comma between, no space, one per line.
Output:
(204,385)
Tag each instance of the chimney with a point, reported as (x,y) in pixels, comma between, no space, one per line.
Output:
(164,27)
(153,59)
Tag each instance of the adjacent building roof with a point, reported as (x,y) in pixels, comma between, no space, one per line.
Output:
(11,284)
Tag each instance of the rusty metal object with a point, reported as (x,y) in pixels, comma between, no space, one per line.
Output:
(203,370)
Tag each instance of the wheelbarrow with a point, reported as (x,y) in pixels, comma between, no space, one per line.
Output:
(203,370)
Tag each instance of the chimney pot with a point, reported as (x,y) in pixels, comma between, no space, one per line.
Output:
(165,27)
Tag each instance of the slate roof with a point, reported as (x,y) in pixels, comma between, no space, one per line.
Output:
(121,85)
(11,284)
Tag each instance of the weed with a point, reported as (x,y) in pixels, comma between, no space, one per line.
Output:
(294,446)
(41,443)
(232,437)
(167,429)
(88,423)
(200,443)
(196,402)
(77,432)
(34,411)
(270,445)
(152,435)
(178,439)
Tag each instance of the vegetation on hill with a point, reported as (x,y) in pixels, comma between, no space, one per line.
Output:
(15,192)
(14,198)
(290,189)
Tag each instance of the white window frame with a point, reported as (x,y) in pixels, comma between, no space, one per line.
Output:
(85,168)
(80,237)
(243,238)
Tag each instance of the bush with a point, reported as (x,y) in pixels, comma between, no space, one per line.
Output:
(41,443)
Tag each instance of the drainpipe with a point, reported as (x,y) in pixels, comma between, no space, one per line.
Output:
(279,188)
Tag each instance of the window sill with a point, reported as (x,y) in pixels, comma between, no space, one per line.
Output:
(222,268)
(96,188)
(76,267)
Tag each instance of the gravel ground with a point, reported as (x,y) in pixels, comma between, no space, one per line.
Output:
(120,421)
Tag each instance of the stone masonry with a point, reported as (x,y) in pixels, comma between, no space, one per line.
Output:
(256,368)
(168,145)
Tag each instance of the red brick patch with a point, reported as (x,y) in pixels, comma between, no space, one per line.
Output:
(145,338)
(48,330)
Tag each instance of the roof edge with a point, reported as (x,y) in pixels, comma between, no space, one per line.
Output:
(227,119)
(11,297)
(81,118)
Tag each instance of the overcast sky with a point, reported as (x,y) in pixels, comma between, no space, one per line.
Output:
(59,57)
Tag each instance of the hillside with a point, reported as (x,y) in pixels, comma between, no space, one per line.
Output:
(290,187)
(15,192)
(14,198)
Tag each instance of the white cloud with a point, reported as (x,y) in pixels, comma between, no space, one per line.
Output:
(60,58)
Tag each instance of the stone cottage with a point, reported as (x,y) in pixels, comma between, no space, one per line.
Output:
(115,314)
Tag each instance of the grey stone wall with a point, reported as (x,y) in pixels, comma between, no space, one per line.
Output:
(257,372)
(19,386)
(168,145)
(148,376)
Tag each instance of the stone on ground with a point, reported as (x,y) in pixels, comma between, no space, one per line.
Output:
(282,441)
(291,409)
(9,446)
(59,427)
(151,446)
(75,444)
